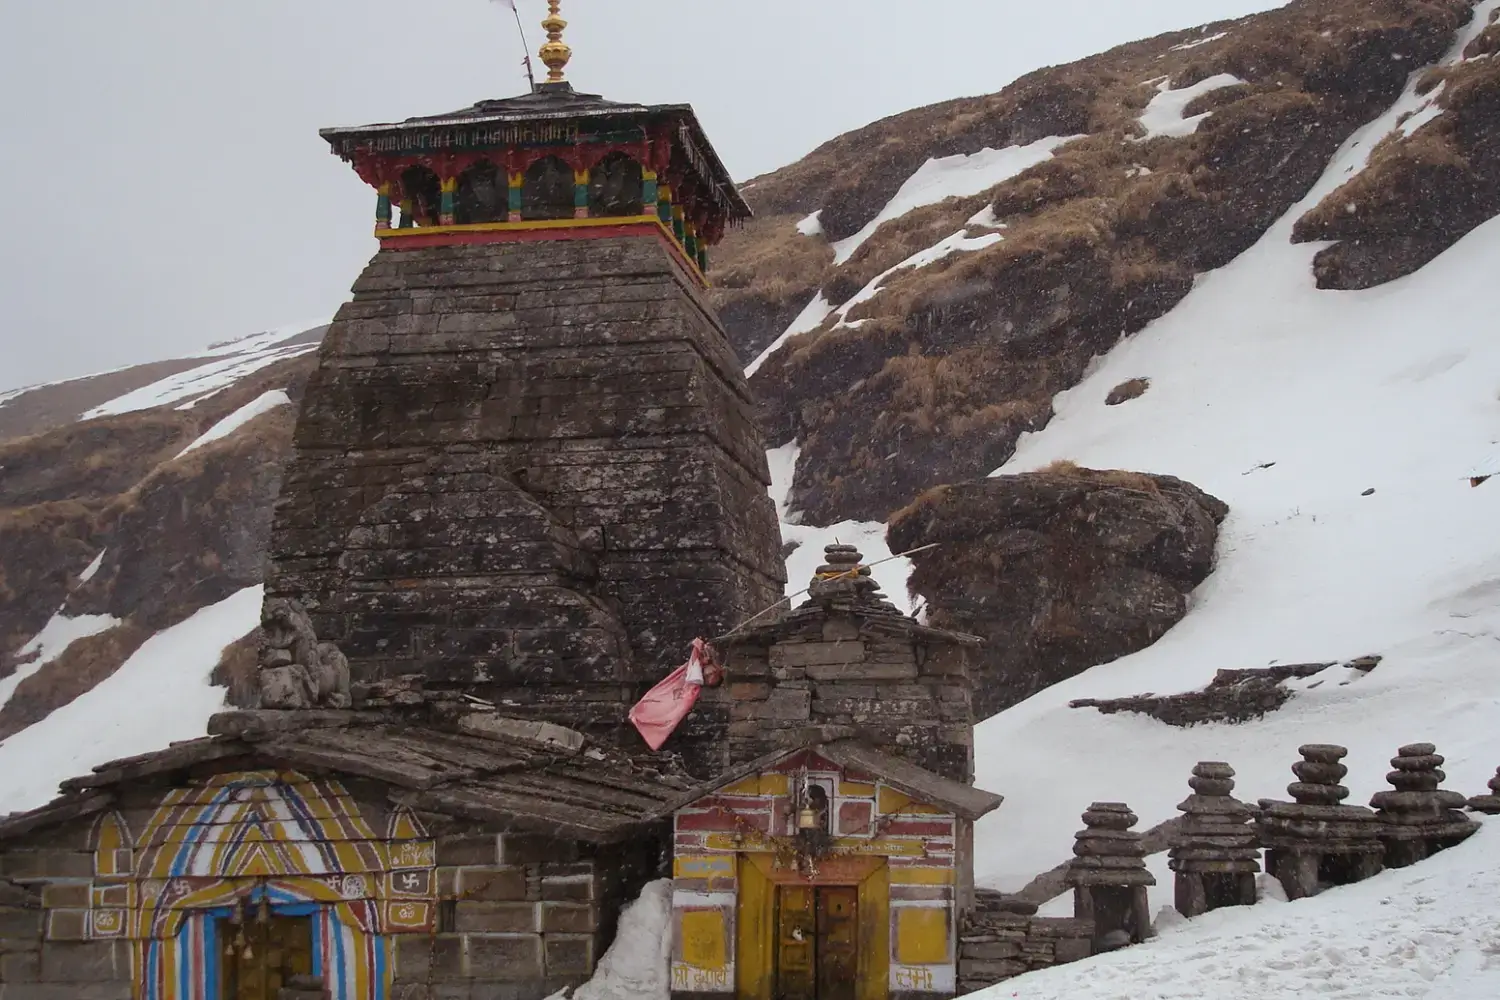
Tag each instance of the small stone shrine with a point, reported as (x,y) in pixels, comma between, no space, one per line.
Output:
(527,466)
(847,664)
(1214,852)
(1109,877)
(1419,818)
(835,861)
(1316,841)
(1488,804)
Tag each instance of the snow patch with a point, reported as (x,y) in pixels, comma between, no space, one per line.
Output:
(638,965)
(956,176)
(1164,115)
(51,642)
(93,568)
(264,403)
(812,225)
(1185,46)
(985,218)
(959,242)
(160,695)
(867,536)
(809,319)
(225,365)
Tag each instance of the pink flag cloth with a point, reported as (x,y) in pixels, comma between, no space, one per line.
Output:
(661,711)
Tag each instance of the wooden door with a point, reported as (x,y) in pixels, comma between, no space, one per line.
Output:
(838,942)
(796,943)
(817,943)
(258,957)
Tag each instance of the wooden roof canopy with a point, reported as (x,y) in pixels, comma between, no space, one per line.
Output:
(420,160)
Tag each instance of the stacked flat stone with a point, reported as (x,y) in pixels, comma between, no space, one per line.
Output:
(845,579)
(1419,816)
(1215,852)
(1108,874)
(1488,804)
(1301,836)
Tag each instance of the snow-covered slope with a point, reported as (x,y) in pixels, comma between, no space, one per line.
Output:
(1427,931)
(161,694)
(1393,390)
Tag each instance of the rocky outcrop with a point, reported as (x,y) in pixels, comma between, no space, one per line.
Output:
(1232,696)
(1057,570)
(1445,173)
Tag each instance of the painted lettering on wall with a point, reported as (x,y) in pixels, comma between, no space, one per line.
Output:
(692,979)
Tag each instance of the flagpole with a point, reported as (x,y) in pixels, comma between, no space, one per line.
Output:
(525,45)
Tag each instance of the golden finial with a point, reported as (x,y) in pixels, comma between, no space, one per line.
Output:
(555,54)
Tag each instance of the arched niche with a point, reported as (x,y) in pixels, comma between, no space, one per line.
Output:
(547,192)
(421,186)
(482,195)
(616,187)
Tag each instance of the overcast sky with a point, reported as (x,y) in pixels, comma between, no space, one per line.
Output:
(166,186)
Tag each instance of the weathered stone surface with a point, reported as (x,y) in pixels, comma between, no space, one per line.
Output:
(1488,804)
(1058,570)
(1301,837)
(533,469)
(1419,817)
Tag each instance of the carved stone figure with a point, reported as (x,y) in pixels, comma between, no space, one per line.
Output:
(296,670)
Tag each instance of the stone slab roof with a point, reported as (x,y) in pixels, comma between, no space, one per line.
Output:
(517,785)
(966,801)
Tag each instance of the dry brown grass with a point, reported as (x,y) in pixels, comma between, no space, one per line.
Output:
(1133,388)
(82,665)
(238,671)
(1066,469)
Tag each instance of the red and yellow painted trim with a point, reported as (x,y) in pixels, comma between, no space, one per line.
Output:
(423,237)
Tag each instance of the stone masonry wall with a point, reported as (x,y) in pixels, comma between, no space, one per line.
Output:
(523,917)
(531,471)
(847,676)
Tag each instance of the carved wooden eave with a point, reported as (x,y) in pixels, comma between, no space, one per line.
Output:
(511,785)
(966,801)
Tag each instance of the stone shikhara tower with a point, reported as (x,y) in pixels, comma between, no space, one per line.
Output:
(527,465)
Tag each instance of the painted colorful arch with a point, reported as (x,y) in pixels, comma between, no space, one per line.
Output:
(304,846)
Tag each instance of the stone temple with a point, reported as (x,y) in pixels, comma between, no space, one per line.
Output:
(527,465)
(527,480)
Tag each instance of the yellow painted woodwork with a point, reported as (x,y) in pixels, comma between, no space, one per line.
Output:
(849,846)
(755,930)
(745,786)
(921,876)
(775,784)
(704,866)
(875,936)
(516,179)
(922,935)
(648,175)
(448,185)
(892,801)
(704,944)
(580,177)
(856,789)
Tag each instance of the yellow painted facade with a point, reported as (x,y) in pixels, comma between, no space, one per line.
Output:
(737,868)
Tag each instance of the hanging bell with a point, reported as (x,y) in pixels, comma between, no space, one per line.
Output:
(807,818)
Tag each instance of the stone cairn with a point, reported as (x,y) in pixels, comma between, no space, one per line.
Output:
(1419,817)
(1488,804)
(1109,877)
(1214,852)
(844,579)
(1317,841)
